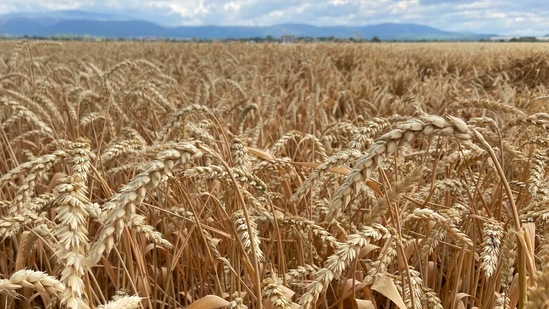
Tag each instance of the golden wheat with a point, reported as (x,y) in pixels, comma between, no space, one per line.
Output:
(256,175)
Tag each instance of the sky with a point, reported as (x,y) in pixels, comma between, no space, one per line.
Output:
(513,17)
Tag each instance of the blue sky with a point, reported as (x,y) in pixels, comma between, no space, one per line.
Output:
(513,17)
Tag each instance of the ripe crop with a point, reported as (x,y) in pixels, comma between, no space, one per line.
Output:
(171,175)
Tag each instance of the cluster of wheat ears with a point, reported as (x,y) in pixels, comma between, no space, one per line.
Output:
(164,175)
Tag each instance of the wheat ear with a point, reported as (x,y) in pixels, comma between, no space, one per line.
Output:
(492,235)
(122,206)
(124,302)
(244,230)
(26,278)
(339,261)
(388,143)
(273,292)
(72,204)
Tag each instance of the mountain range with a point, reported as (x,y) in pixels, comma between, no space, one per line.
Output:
(105,25)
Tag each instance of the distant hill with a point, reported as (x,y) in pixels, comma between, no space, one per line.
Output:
(81,23)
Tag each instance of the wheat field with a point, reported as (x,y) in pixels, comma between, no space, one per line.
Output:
(234,175)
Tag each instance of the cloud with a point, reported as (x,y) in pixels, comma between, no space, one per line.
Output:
(188,10)
(436,2)
(485,16)
(232,6)
(15,6)
(6,8)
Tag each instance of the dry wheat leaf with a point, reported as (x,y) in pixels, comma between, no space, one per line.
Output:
(530,236)
(367,249)
(260,153)
(364,304)
(268,304)
(459,300)
(22,254)
(30,143)
(386,287)
(347,288)
(513,292)
(288,293)
(431,272)
(209,302)
(348,285)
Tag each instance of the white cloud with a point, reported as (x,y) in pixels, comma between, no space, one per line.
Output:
(6,8)
(277,13)
(40,4)
(232,6)
(187,9)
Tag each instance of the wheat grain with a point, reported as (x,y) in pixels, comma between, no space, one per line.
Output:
(341,158)
(240,155)
(537,173)
(46,160)
(503,302)
(178,120)
(248,240)
(363,137)
(23,112)
(492,235)
(219,172)
(12,62)
(237,302)
(138,222)
(121,147)
(11,225)
(443,221)
(30,105)
(415,287)
(124,302)
(271,290)
(431,299)
(508,258)
(37,280)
